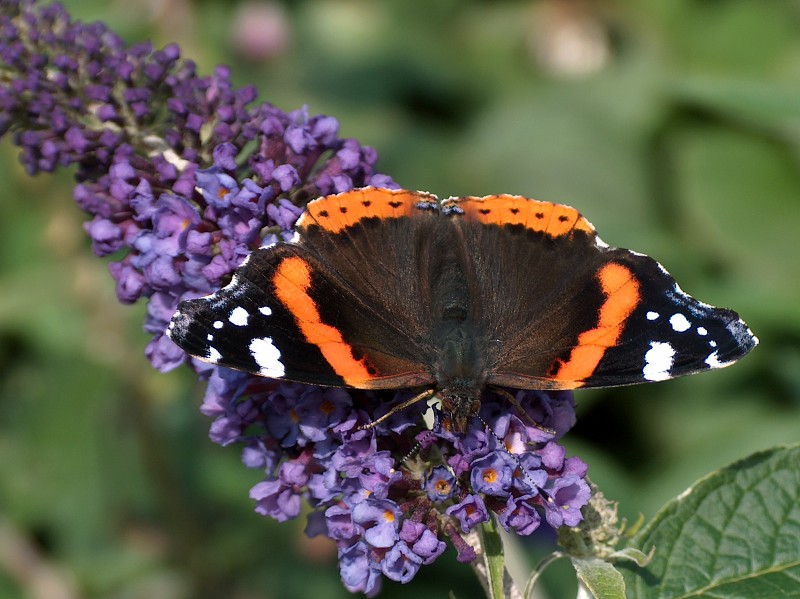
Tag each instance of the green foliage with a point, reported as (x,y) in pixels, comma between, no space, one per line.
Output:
(600,577)
(735,533)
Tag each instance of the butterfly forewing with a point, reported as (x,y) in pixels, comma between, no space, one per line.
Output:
(668,333)
(574,312)
(284,313)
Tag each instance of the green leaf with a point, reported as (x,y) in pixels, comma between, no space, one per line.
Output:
(600,577)
(735,533)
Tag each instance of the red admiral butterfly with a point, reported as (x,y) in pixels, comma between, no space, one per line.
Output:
(386,289)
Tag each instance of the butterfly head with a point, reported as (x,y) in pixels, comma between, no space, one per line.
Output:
(459,404)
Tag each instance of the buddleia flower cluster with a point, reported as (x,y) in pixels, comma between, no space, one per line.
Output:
(182,176)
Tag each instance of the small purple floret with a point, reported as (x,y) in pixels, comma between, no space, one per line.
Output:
(470,512)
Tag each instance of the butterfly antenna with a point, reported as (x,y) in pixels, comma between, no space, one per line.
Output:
(525,416)
(411,452)
(402,406)
(436,454)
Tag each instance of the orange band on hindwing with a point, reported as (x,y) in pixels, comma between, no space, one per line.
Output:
(621,290)
(292,280)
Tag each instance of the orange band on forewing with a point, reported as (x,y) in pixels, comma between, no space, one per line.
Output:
(622,296)
(292,281)
(554,220)
(335,213)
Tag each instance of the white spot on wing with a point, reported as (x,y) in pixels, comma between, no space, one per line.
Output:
(702,331)
(217,324)
(658,361)
(679,322)
(713,361)
(599,243)
(265,310)
(652,315)
(209,337)
(213,355)
(239,316)
(712,343)
(268,357)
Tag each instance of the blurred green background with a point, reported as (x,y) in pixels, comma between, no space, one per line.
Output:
(674,126)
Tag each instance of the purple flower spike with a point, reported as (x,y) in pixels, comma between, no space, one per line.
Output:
(144,179)
(182,176)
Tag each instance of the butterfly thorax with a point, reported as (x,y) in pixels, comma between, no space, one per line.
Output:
(460,375)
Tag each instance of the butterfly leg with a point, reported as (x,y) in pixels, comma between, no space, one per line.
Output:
(513,401)
(409,402)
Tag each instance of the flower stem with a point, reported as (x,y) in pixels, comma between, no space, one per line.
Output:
(490,565)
